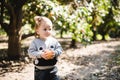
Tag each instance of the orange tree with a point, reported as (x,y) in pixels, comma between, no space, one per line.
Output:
(104,20)
(73,17)
(13,16)
(65,18)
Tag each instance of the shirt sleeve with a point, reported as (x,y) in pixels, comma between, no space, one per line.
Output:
(33,52)
(58,49)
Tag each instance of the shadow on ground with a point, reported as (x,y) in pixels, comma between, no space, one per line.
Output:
(98,61)
(101,66)
(7,65)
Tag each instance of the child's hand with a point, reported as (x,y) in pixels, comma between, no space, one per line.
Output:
(48,54)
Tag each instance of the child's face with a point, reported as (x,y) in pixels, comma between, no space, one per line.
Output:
(44,30)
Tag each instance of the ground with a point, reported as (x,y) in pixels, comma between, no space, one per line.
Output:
(98,61)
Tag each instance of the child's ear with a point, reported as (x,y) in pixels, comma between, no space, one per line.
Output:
(37,31)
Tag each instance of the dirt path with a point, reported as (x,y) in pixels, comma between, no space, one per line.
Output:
(94,62)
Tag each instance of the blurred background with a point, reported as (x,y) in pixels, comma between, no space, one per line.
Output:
(76,23)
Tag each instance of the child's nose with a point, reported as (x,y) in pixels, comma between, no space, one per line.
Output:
(48,31)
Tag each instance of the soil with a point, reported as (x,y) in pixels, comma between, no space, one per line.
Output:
(97,61)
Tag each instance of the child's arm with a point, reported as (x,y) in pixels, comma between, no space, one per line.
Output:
(58,49)
(33,52)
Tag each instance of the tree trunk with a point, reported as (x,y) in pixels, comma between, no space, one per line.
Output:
(14,40)
(103,29)
(13,10)
(14,47)
(73,44)
(94,34)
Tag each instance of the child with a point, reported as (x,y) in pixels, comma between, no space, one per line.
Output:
(44,49)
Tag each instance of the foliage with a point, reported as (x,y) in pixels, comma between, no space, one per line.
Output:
(79,18)
(82,19)
(2,32)
(106,12)
(64,17)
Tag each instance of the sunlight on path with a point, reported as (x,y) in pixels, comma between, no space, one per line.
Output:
(76,64)
(84,63)
(26,74)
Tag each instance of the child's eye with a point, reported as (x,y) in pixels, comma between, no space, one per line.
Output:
(45,29)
